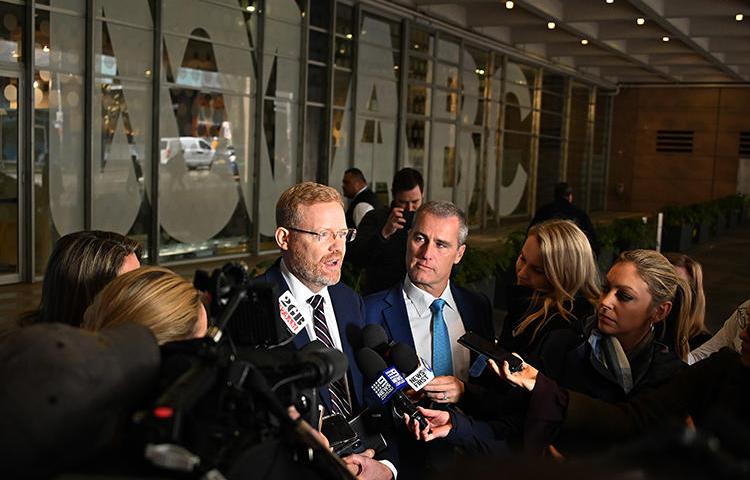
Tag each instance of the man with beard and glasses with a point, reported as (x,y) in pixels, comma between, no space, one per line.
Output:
(312,235)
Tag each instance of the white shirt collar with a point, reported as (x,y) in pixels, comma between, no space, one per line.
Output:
(422,300)
(363,189)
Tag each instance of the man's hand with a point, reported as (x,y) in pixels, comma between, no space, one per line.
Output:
(444,389)
(439,424)
(364,466)
(393,223)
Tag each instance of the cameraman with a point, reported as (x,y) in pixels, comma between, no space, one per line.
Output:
(380,246)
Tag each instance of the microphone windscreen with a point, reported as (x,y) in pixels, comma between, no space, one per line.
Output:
(334,361)
(314,346)
(374,337)
(370,362)
(404,358)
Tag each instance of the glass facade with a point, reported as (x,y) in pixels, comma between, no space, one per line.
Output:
(179,122)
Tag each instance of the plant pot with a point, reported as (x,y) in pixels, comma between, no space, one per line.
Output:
(677,238)
(703,231)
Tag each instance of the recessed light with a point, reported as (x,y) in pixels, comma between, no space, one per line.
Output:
(509,5)
(250,8)
(609,1)
(584,41)
(665,38)
(640,20)
(739,17)
(551,25)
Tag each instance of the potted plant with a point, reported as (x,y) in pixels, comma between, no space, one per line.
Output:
(607,250)
(702,222)
(476,271)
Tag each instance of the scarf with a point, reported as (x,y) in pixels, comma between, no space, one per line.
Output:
(607,351)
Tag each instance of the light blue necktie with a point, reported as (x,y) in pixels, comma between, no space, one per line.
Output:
(442,360)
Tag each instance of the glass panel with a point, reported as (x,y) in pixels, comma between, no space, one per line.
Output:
(341,84)
(58,129)
(421,41)
(599,157)
(443,161)
(318,46)
(446,104)
(122,127)
(448,50)
(314,143)
(317,84)
(9,224)
(320,13)
(11,32)
(377,100)
(552,102)
(577,165)
(417,134)
(344,49)
(418,100)
(553,83)
(548,170)
(515,168)
(344,20)
(420,69)
(206,126)
(551,124)
(446,76)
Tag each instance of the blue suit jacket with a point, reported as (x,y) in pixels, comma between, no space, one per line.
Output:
(349,310)
(388,309)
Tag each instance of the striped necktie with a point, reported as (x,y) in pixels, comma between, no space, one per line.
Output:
(339,397)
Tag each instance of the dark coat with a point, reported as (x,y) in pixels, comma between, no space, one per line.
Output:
(528,345)
(384,260)
(564,210)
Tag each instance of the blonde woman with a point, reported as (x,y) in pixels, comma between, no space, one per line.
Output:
(557,286)
(154,297)
(696,333)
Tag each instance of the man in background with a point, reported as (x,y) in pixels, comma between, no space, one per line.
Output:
(562,208)
(362,198)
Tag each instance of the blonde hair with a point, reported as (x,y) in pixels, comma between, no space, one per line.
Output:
(695,273)
(569,267)
(305,193)
(664,285)
(155,297)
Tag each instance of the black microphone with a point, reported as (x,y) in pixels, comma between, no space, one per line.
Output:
(315,365)
(387,384)
(416,373)
(374,337)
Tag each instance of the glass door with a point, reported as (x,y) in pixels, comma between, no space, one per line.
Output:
(10,169)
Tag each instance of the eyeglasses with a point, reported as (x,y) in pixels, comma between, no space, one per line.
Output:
(348,234)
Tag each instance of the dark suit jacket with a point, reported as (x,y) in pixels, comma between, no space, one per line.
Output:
(384,260)
(388,309)
(565,210)
(349,310)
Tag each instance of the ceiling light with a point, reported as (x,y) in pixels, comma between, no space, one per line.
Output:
(739,17)
(610,1)
(551,25)
(640,20)
(584,41)
(509,5)
(250,8)
(665,38)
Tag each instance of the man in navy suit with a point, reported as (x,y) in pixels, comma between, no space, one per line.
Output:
(427,311)
(407,311)
(312,234)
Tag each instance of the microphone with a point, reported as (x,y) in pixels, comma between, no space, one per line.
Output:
(374,337)
(416,373)
(314,365)
(387,383)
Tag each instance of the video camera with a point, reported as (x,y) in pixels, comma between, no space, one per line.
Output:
(223,401)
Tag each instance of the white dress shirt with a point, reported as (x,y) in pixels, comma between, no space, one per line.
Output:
(420,321)
(361,209)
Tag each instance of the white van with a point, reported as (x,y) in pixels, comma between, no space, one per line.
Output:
(196,151)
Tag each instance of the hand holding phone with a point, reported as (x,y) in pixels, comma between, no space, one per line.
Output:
(478,344)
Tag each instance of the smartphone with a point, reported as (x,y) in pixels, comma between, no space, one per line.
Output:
(409,217)
(478,344)
(341,436)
